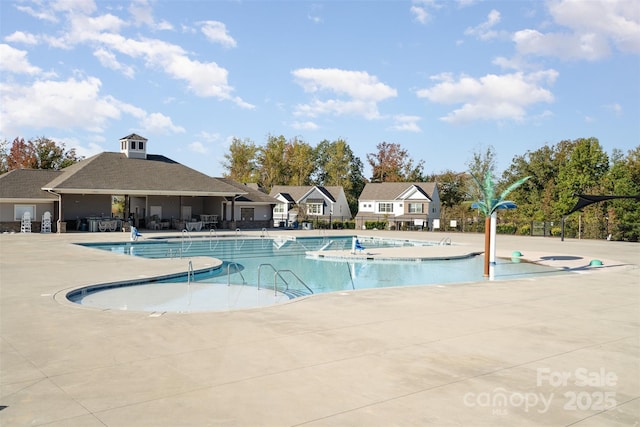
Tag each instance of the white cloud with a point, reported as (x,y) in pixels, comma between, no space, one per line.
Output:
(73,103)
(616,20)
(361,90)
(406,123)
(58,104)
(217,33)
(143,15)
(304,125)
(420,14)
(15,61)
(209,137)
(616,108)
(491,97)
(198,147)
(591,28)
(102,32)
(562,45)
(419,9)
(109,60)
(22,37)
(485,31)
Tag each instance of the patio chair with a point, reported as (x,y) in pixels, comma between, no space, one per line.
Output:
(359,246)
(25,223)
(46,223)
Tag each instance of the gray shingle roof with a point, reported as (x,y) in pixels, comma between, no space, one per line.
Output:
(392,190)
(114,173)
(252,193)
(296,192)
(27,184)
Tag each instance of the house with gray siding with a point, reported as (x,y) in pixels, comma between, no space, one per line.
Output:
(299,203)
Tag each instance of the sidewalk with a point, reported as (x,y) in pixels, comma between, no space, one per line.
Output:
(560,350)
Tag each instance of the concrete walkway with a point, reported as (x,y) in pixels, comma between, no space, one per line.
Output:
(559,350)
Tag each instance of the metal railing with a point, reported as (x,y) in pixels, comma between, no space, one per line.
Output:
(276,274)
(186,233)
(244,281)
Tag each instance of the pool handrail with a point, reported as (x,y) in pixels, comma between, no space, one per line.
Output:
(244,281)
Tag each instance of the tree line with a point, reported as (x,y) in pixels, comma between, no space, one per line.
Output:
(558,172)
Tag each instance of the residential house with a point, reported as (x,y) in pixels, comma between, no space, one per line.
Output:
(403,205)
(308,203)
(157,192)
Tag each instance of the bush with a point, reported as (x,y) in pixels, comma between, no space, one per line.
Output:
(525,230)
(506,229)
(378,225)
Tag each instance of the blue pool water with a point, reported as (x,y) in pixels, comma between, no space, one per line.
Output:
(250,262)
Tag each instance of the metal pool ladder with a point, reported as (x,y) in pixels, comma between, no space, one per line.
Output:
(278,273)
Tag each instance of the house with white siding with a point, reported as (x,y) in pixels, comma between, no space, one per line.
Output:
(402,205)
(298,203)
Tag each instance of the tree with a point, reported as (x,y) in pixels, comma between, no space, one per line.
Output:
(392,164)
(452,189)
(300,160)
(624,214)
(50,155)
(4,156)
(241,161)
(336,165)
(272,166)
(42,153)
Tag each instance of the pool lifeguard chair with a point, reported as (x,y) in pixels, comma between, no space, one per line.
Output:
(45,227)
(356,246)
(25,223)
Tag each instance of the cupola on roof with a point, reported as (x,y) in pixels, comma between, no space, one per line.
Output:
(134,146)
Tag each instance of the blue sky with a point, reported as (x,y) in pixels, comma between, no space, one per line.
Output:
(443,79)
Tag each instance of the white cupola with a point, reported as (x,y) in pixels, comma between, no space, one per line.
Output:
(134,146)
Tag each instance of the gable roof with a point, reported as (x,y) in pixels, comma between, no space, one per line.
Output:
(22,184)
(298,192)
(115,173)
(393,190)
(252,192)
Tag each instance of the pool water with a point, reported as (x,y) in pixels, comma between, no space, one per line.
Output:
(282,263)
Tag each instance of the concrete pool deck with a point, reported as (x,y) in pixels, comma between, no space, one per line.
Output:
(553,350)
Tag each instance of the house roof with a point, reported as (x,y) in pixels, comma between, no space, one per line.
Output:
(297,192)
(252,192)
(134,136)
(393,190)
(20,184)
(115,173)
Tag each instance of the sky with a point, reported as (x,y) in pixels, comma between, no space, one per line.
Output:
(443,79)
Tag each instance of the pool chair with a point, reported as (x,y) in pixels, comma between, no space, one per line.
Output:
(25,223)
(135,233)
(359,246)
(46,223)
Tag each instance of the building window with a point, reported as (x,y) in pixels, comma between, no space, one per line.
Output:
(279,208)
(314,208)
(385,207)
(133,145)
(246,214)
(19,210)
(140,145)
(415,207)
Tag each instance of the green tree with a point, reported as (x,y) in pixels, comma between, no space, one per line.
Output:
(337,166)
(392,164)
(624,214)
(300,160)
(240,161)
(4,156)
(272,164)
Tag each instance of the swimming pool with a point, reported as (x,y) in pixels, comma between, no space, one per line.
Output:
(282,263)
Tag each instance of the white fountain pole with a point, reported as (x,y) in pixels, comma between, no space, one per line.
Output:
(492,245)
